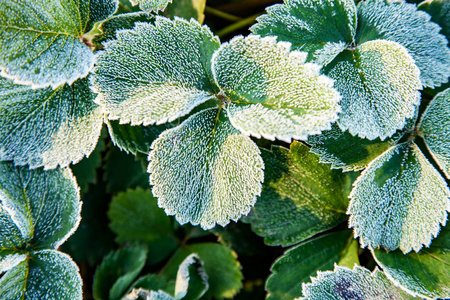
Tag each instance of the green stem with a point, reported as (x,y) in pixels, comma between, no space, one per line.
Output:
(221,14)
(238,25)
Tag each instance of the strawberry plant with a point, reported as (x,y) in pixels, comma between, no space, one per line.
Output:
(201,152)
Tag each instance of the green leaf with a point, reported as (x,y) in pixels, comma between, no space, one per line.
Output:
(145,76)
(48,127)
(151,5)
(192,281)
(440,13)
(321,28)
(273,93)
(435,129)
(40,41)
(205,171)
(426,273)
(300,198)
(46,274)
(44,205)
(359,283)
(399,201)
(220,264)
(117,271)
(400,22)
(135,217)
(301,262)
(153,282)
(186,9)
(379,84)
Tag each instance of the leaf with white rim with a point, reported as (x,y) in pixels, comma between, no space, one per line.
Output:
(435,129)
(151,5)
(44,205)
(401,22)
(321,28)
(359,283)
(192,280)
(399,201)
(156,73)
(40,41)
(379,84)
(205,171)
(272,92)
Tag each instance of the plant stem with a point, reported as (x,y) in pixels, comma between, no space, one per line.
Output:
(221,14)
(238,25)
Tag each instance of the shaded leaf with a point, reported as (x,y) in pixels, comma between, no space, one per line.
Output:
(273,93)
(151,5)
(186,9)
(205,171)
(300,198)
(440,13)
(399,201)
(100,10)
(48,127)
(192,281)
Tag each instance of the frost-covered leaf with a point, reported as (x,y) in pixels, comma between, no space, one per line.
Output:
(117,271)
(135,217)
(205,171)
(40,41)
(359,283)
(192,281)
(186,9)
(47,274)
(440,13)
(402,23)
(300,196)
(435,129)
(151,5)
(152,282)
(142,294)
(48,127)
(156,73)
(220,264)
(301,262)
(273,93)
(44,205)
(399,201)
(322,28)
(379,84)
(425,273)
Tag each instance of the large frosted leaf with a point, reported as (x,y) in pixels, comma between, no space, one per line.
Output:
(322,28)
(301,262)
(48,127)
(435,129)
(399,201)
(359,283)
(47,274)
(425,273)
(156,73)
(379,84)
(300,196)
(40,41)
(440,13)
(273,93)
(402,23)
(44,205)
(205,171)
(151,5)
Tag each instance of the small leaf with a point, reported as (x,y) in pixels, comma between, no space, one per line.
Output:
(153,282)
(435,129)
(135,217)
(192,281)
(44,205)
(379,84)
(399,201)
(100,10)
(47,274)
(300,198)
(11,239)
(321,28)
(220,264)
(117,271)
(186,9)
(273,93)
(141,294)
(426,273)
(359,283)
(400,22)
(301,262)
(48,127)
(205,171)
(156,73)
(440,14)
(151,5)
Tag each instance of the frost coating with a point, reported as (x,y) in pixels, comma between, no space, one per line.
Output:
(379,84)
(403,23)
(183,277)
(156,73)
(399,201)
(273,93)
(322,28)
(205,171)
(359,283)
(151,5)
(435,129)
(48,127)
